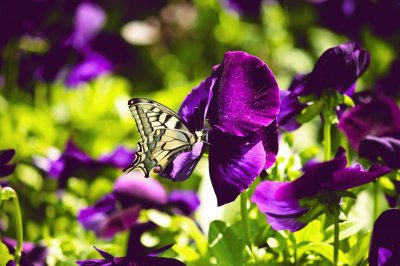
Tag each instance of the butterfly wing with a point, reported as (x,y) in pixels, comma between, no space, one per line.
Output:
(163,135)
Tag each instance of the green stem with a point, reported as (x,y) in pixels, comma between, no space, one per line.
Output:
(336,239)
(13,197)
(243,210)
(375,184)
(327,140)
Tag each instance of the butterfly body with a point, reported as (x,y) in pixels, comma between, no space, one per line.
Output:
(164,135)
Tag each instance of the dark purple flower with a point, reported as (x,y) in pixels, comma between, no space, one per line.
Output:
(75,162)
(144,260)
(385,240)
(373,129)
(133,193)
(240,102)
(337,69)
(32,254)
(5,157)
(389,85)
(282,201)
(249,8)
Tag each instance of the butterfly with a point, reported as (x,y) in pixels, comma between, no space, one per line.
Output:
(164,135)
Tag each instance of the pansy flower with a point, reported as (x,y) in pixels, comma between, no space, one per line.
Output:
(286,203)
(385,245)
(75,162)
(32,254)
(336,70)
(133,193)
(248,8)
(373,129)
(137,260)
(237,106)
(5,157)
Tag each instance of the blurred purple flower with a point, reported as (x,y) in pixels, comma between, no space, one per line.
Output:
(385,245)
(32,254)
(337,69)
(374,130)
(137,260)
(133,193)
(282,201)
(351,16)
(75,162)
(240,101)
(389,86)
(249,8)
(5,157)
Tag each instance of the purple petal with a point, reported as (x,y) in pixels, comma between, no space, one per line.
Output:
(314,178)
(234,163)
(89,19)
(131,189)
(183,165)
(281,213)
(269,137)
(355,176)
(195,106)
(6,156)
(338,68)
(185,201)
(7,170)
(92,217)
(245,7)
(154,261)
(387,148)
(91,66)
(118,221)
(290,109)
(33,254)
(245,96)
(376,118)
(389,86)
(120,157)
(135,246)
(385,245)
(11,263)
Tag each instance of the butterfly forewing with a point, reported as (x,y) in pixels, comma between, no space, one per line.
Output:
(163,135)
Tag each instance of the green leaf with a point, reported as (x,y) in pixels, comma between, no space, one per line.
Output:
(346,194)
(346,230)
(359,251)
(4,255)
(326,251)
(312,233)
(310,112)
(225,245)
(347,100)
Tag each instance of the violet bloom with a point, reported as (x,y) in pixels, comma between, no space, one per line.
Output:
(32,254)
(143,260)
(133,193)
(75,162)
(5,157)
(249,8)
(336,70)
(240,102)
(389,85)
(385,240)
(373,129)
(282,201)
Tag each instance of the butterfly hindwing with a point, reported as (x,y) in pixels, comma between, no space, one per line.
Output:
(163,135)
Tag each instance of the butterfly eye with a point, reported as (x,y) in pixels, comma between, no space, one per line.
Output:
(157,169)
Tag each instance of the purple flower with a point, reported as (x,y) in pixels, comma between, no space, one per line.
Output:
(374,130)
(249,8)
(5,157)
(32,254)
(337,69)
(283,202)
(143,260)
(385,245)
(133,193)
(389,85)
(240,102)
(75,162)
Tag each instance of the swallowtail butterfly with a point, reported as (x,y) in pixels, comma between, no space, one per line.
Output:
(164,135)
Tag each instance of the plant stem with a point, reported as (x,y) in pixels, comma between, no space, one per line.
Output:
(375,184)
(243,210)
(336,238)
(13,197)
(327,139)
